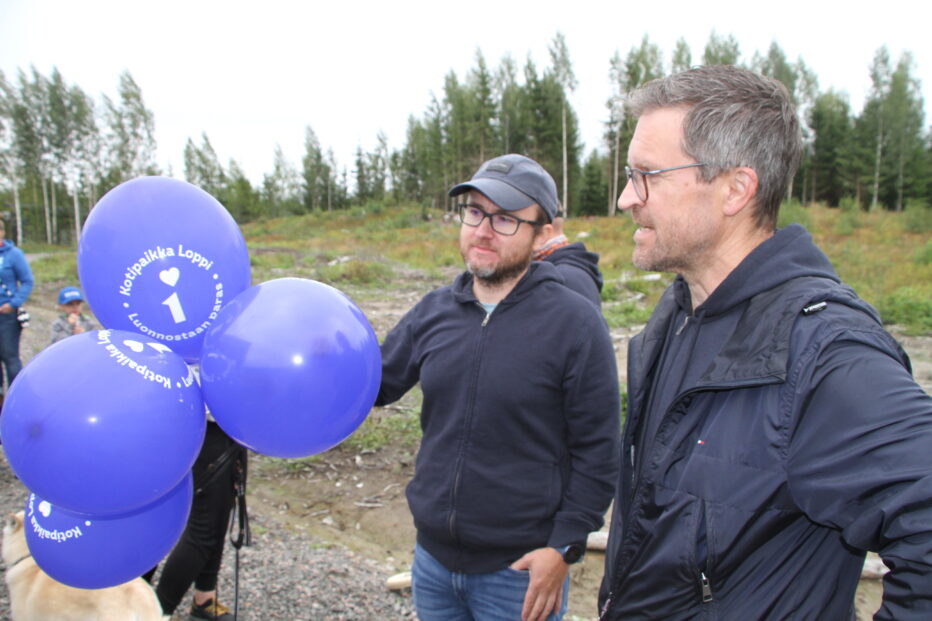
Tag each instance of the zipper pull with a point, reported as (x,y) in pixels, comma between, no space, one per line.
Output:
(486,320)
(608,601)
(682,327)
(706,588)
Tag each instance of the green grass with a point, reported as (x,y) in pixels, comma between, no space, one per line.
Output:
(359,272)
(622,314)
(398,426)
(57,266)
(886,257)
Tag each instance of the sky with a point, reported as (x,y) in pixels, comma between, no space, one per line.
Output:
(253,75)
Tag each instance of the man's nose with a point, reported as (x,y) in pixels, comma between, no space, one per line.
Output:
(629,197)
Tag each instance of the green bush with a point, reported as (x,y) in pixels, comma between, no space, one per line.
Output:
(623,314)
(849,204)
(269,260)
(917,217)
(909,307)
(848,222)
(356,272)
(610,292)
(639,285)
(792,211)
(56,267)
(923,255)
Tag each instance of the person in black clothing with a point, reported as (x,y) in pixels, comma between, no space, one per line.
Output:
(520,416)
(578,266)
(774,432)
(197,556)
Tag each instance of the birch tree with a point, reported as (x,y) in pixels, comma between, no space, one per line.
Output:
(563,72)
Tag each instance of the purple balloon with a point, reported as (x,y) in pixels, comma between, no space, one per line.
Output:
(103,422)
(90,552)
(160,257)
(290,368)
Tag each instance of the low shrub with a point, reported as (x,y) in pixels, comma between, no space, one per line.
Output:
(908,307)
(792,211)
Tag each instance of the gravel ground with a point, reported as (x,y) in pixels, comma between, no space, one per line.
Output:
(283,575)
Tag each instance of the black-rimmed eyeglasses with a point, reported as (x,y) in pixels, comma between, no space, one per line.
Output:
(638,177)
(502,223)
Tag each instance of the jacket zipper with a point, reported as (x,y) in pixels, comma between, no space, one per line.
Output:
(705,587)
(637,487)
(458,471)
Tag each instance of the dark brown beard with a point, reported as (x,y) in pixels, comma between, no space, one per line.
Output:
(493,278)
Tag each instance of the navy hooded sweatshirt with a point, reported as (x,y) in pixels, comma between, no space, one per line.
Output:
(520,419)
(580,270)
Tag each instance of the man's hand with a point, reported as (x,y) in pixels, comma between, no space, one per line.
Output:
(545,590)
(6,309)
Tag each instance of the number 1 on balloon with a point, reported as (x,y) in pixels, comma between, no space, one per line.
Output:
(174,305)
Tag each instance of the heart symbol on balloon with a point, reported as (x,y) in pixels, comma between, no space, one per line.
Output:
(45,508)
(136,346)
(170,276)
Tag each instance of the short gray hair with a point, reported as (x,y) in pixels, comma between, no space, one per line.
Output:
(734,117)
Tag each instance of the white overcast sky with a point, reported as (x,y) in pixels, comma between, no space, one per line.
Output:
(254,74)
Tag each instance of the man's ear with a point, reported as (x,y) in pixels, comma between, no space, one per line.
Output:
(544,233)
(741,190)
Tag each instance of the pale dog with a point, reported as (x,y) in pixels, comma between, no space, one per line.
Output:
(34,596)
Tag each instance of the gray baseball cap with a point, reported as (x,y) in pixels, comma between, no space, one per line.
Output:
(513,182)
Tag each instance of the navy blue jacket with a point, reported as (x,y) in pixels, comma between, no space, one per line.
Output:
(801,442)
(580,270)
(14,274)
(520,419)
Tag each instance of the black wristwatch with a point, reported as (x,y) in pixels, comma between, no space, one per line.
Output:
(572,553)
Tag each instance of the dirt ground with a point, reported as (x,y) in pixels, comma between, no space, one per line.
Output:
(356,499)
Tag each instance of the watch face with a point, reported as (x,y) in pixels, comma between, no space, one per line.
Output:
(573,553)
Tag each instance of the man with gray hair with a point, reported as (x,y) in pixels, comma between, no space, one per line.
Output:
(774,432)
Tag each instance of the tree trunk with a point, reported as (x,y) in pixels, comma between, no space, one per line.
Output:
(48,219)
(54,208)
(77,216)
(566,205)
(17,210)
(900,165)
(613,200)
(877,155)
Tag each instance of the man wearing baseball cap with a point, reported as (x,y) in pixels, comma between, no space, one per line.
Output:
(520,415)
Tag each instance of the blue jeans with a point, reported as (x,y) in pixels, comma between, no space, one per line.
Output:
(9,347)
(442,595)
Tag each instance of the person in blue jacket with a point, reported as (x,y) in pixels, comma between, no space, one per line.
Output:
(774,432)
(15,286)
(520,415)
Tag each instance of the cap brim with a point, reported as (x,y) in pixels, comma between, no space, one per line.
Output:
(499,192)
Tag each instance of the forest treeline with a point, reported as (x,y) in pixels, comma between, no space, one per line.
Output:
(61,149)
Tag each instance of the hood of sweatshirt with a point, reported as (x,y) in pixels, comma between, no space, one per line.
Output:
(758,272)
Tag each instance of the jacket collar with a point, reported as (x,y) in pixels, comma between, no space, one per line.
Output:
(757,352)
